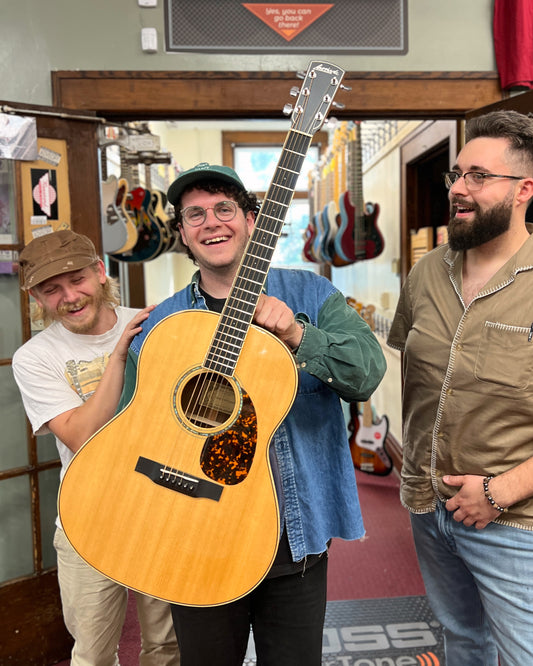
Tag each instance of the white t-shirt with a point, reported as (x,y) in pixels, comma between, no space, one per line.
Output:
(57,370)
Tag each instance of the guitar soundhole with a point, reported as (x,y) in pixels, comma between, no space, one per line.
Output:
(208,400)
(208,403)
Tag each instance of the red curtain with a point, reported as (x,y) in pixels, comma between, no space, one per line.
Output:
(513,42)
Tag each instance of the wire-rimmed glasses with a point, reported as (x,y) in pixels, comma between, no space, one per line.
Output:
(195,216)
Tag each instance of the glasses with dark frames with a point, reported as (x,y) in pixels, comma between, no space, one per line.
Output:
(195,216)
(474,180)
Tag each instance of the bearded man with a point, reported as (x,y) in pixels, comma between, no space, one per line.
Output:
(464,321)
(70,376)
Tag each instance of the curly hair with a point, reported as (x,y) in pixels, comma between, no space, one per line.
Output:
(247,201)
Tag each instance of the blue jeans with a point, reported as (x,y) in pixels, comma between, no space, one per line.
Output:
(479,584)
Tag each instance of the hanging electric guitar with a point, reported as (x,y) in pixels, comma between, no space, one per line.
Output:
(359,237)
(149,234)
(175,496)
(311,230)
(369,242)
(118,230)
(368,434)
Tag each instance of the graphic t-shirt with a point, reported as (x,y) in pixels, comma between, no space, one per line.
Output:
(57,370)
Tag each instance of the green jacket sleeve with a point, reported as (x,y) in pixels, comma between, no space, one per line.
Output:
(342,351)
(130,380)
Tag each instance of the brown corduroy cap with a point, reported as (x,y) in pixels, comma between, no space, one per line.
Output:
(53,254)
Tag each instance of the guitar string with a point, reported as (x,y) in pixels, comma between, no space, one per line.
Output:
(251,275)
(263,243)
(229,339)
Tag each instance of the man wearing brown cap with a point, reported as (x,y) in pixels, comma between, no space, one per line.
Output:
(70,376)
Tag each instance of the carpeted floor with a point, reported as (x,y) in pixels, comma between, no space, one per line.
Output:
(383,564)
(377,612)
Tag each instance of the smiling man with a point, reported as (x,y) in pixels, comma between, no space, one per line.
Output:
(465,323)
(338,357)
(70,376)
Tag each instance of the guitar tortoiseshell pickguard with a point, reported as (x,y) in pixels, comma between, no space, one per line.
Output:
(228,456)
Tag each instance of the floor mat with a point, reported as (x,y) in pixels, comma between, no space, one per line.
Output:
(400,631)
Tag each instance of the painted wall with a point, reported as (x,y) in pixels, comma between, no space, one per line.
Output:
(37,37)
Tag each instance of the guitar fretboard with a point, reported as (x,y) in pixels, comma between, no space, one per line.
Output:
(237,315)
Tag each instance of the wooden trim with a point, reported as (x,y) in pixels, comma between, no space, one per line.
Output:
(420,142)
(130,95)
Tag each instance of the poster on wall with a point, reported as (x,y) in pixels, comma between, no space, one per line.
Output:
(362,27)
(45,190)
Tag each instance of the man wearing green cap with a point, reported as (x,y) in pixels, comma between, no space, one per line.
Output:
(70,376)
(338,357)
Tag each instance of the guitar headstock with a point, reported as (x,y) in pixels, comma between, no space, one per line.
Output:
(321,83)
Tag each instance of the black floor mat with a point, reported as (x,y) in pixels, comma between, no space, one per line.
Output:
(379,632)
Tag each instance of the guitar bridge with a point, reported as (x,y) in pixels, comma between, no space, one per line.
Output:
(174,479)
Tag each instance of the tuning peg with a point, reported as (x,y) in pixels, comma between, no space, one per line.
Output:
(287,109)
(343,87)
(300,75)
(294,91)
(338,105)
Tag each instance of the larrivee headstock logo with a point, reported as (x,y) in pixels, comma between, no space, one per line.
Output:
(288,20)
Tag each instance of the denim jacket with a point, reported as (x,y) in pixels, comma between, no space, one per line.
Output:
(338,356)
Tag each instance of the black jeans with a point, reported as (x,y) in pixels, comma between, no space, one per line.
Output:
(286,614)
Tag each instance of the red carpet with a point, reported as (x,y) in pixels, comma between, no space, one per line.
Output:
(382,565)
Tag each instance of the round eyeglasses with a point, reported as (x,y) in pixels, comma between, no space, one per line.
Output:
(195,216)
(474,180)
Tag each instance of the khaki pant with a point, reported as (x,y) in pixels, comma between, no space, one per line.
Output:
(94,609)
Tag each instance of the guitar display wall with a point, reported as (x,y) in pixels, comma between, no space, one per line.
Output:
(342,227)
(136,219)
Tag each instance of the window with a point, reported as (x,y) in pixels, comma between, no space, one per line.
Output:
(254,156)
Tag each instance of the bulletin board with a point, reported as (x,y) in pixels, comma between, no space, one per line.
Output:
(45,190)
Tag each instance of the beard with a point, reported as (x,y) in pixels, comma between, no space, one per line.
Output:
(97,301)
(486,226)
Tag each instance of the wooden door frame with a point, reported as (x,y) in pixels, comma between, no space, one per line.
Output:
(168,95)
(33,631)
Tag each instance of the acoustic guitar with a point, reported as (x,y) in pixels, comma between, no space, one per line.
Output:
(175,496)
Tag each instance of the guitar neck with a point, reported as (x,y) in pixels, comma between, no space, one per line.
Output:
(356,172)
(367,414)
(251,276)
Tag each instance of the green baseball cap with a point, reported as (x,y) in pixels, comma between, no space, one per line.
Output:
(202,171)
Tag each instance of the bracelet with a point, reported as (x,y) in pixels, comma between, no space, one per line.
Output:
(489,497)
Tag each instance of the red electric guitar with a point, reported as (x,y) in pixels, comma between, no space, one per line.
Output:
(358,237)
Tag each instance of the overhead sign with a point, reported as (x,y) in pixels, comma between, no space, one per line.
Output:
(351,27)
(287,20)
